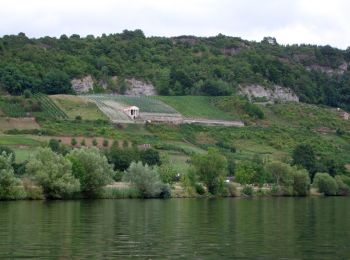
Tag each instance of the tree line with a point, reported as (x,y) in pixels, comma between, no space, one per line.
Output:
(184,65)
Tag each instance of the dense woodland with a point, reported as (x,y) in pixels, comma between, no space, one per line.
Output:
(184,65)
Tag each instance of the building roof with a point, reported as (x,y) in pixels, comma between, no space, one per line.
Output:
(131,107)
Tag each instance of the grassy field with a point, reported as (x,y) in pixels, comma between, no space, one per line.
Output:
(196,107)
(145,103)
(75,106)
(17,123)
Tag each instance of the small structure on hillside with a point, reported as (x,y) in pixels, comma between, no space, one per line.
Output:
(132,112)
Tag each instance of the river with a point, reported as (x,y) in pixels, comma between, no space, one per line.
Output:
(263,228)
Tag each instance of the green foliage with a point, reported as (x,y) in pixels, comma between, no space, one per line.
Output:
(251,172)
(54,145)
(304,155)
(301,182)
(94,142)
(8,151)
(122,158)
(92,169)
(27,93)
(105,143)
(150,157)
(73,142)
(282,175)
(176,66)
(232,190)
(53,173)
(325,184)
(343,188)
(145,179)
(9,189)
(211,169)
(167,172)
(248,190)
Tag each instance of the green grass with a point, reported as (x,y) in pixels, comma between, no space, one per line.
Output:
(74,106)
(196,107)
(145,103)
(11,109)
(18,140)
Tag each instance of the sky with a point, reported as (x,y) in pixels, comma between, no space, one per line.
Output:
(289,21)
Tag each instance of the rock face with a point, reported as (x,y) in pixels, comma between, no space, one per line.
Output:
(139,88)
(342,68)
(276,93)
(82,85)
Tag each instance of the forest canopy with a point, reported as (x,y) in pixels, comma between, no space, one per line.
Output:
(184,65)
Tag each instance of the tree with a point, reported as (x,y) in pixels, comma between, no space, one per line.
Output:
(56,82)
(145,179)
(301,182)
(150,157)
(8,182)
(8,151)
(54,145)
(325,184)
(282,174)
(53,173)
(245,173)
(122,158)
(304,155)
(211,169)
(92,169)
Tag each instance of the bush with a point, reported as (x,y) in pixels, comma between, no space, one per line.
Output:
(105,143)
(53,173)
(78,118)
(54,145)
(9,189)
(343,188)
(27,93)
(83,143)
(301,183)
(33,192)
(200,189)
(167,173)
(73,142)
(248,190)
(325,184)
(210,168)
(8,151)
(94,142)
(145,179)
(150,157)
(231,189)
(92,169)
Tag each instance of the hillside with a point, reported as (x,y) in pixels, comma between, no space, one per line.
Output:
(184,65)
(282,127)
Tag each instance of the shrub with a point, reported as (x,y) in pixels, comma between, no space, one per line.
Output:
(33,192)
(54,145)
(231,189)
(304,155)
(282,173)
(83,143)
(53,173)
(94,142)
(200,189)
(301,183)
(343,188)
(73,142)
(9,189)
(78,118)
(122,158)
(8,151)
(150,157)
(105,143)
(211,168)
(248,190)
(27,93)
(92,169)
(145,179)
(325,184)
(167,173)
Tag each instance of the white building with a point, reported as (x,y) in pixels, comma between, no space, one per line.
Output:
(132,112)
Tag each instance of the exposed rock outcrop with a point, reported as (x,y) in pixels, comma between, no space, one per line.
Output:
(82,85)
(328,70)
(276,93)
(139,88)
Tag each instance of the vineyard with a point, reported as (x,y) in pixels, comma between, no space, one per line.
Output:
(112,109)
(50,107)
(12,109)
(145,103)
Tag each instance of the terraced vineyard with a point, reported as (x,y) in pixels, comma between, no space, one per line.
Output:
(50,107)
(110,108)
(145,103)
(12,109)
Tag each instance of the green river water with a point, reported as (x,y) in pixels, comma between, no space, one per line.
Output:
(264,228)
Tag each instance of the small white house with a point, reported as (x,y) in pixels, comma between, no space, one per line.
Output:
(132,112)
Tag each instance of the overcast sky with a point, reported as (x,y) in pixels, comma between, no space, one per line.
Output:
(290,21)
